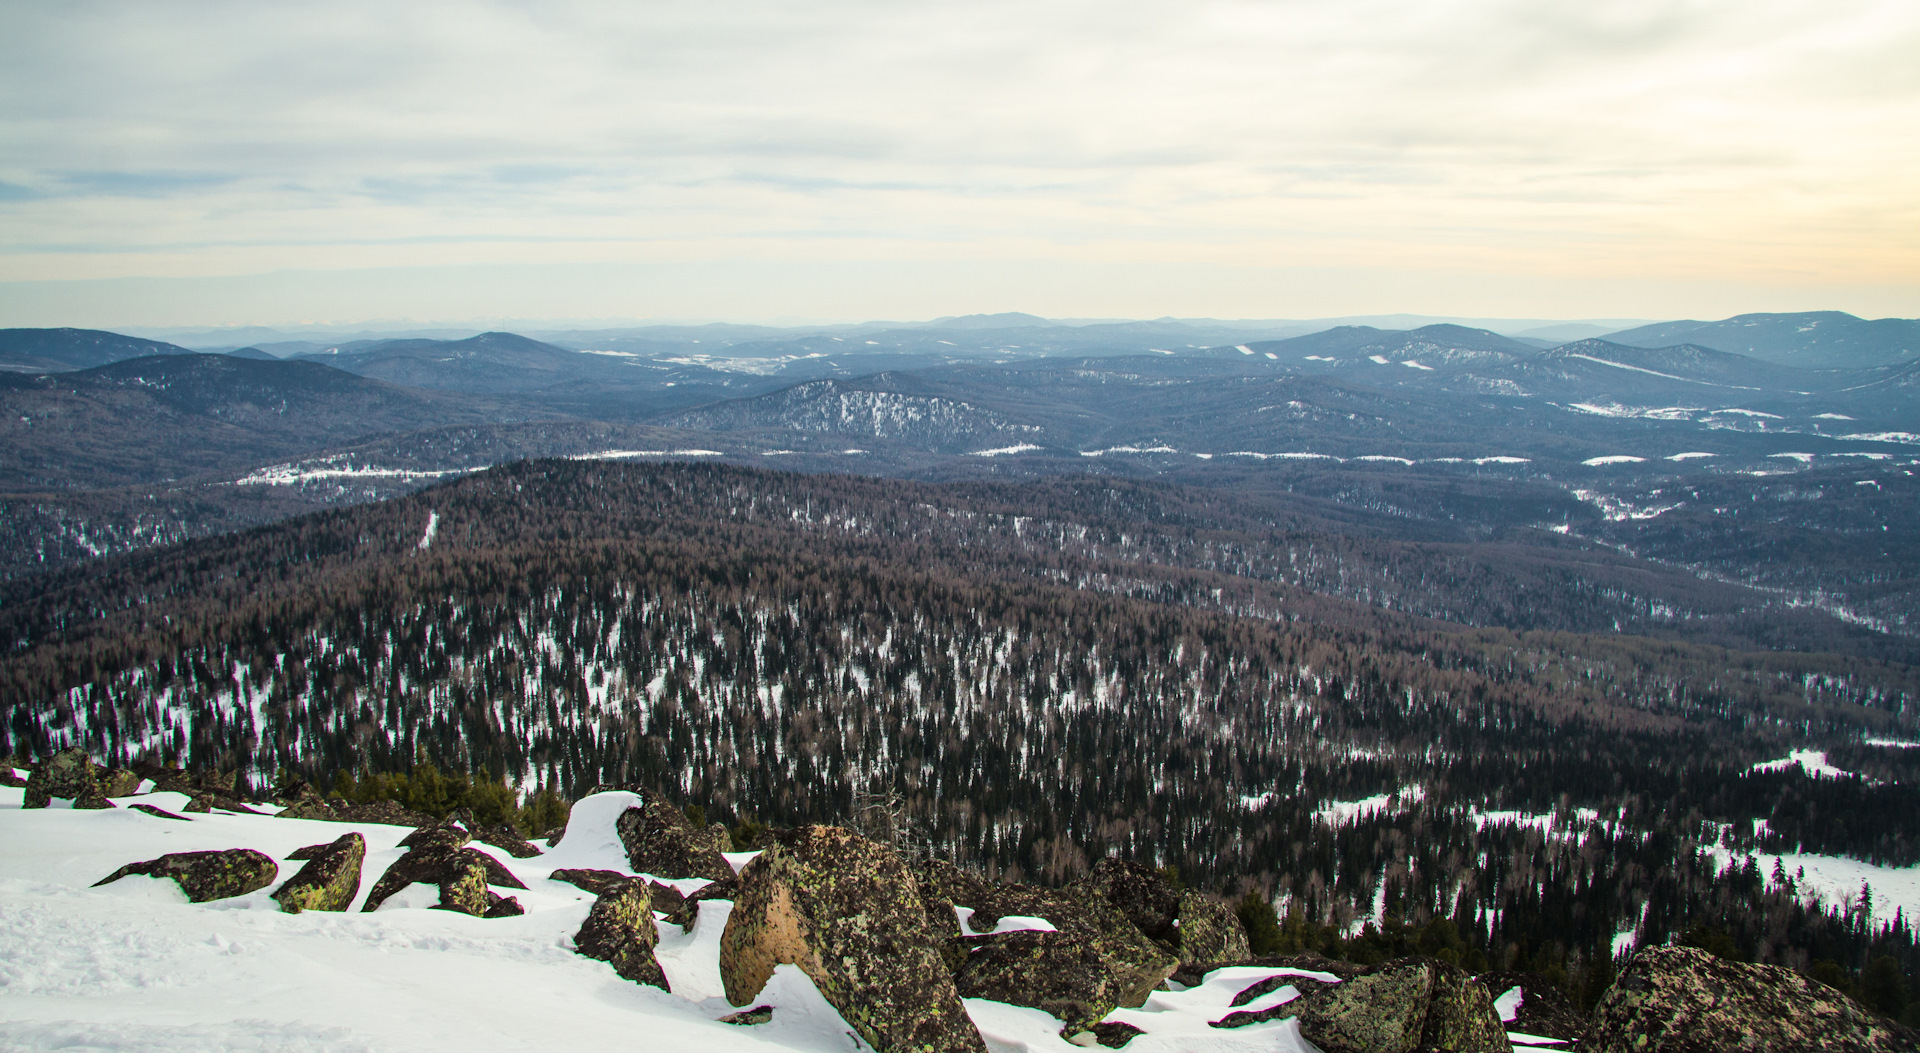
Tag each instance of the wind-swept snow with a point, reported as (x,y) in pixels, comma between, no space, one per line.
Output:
(1001,451)
(1595,462)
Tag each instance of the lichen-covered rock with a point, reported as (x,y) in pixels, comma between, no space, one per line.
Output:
(119,782)
(667,900)
(660,841)
(310,806)
(1544,1009)
(1081,912)
(1400,1006)
(207,875)
(462,874)
(1114,1034)
(1142,894)
(1041,970)
(9,777)
(158,812)
(1685,1000)
(69,774)
(620,931)
(1210,931)
(445,833)
(846,911)
(329,880)
(759,1014)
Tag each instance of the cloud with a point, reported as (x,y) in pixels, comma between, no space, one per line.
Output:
(1766,142)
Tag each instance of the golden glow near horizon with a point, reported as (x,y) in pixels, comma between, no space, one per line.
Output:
(892,159)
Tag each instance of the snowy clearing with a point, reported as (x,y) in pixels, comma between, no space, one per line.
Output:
(1001,451)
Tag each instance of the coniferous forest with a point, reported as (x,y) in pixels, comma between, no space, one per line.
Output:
(1390,746)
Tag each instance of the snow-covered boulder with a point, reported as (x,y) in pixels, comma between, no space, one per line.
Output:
(1682,999)
(329,880)
(1401,1006)
(847,912)
(206,875)
(660,841)
(619,930)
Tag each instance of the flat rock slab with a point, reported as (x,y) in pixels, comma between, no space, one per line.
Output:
(1685,1000)
(207,876)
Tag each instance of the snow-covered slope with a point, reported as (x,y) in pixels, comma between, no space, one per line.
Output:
(134,966)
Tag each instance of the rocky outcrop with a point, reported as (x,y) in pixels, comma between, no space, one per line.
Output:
(1685,1000)
(1544,1009)
(205,876)
(620,931)
(660,841)
(1042,970)
(1210,931)
(847,912)
(69,774)
(329,880)
(1400,1006)
(462,874)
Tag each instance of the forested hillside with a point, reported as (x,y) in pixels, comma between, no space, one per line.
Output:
(1045,673)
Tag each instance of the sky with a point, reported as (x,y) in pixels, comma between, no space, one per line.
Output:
(213,163)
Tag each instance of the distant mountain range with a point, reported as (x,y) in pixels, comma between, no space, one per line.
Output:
(1810,339)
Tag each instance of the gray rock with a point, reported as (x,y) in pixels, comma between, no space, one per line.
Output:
(1041,970)
(462,874)
(660,841)
(1148,899)
(1138,964)
(1210,931)
(759,1014)
(1400,1006)
(205,876)
(1685,1000)
(620,931)
(847,911)
(69,774)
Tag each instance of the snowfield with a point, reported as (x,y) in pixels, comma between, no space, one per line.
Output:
(134,966)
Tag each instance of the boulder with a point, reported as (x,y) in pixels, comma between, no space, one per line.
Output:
(594,881)
(1400,1006)
(1138,964)
(620,931)
(1210,931)
(329,880)
(310,806)
(463,875)
(160,812)
(119,782)
(193,784)
(1142,894)
(207,875)
(8,776)
(667,900)
(846,911)
(1544,1009)
(1041,970)
(444,834)
(69,774)
(1261,988)
(660,841)
(1114,1034)
(759,1014)
(1685,1000)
